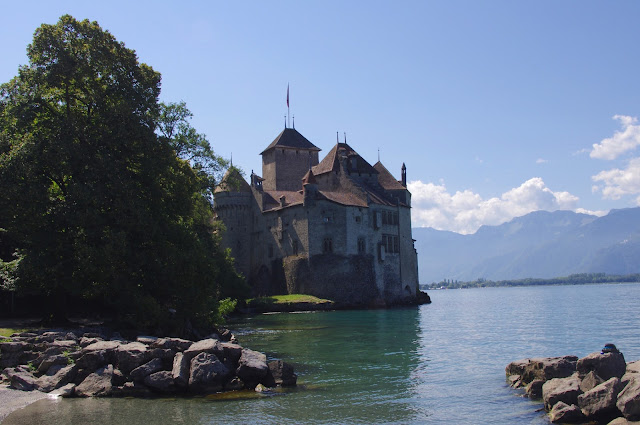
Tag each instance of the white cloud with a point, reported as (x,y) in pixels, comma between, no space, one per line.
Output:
(541,161)
(619,182)
(465,212)
(622,141)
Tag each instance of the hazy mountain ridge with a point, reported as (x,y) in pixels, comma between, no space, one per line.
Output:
(538,245)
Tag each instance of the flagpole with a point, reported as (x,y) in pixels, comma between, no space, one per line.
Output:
(288,124)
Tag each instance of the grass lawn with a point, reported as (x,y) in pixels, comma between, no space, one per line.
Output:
(7,332)
(287,299)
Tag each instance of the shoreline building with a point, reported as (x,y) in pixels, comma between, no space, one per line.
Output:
(339,228)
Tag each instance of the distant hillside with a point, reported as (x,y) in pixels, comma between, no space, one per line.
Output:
(538,245)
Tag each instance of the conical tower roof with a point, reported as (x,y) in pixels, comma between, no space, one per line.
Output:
(291,138)
(233,182)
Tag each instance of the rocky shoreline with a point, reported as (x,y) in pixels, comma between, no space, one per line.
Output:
(599,388)
(98,363)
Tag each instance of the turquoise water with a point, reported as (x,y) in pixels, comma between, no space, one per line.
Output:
(434,364)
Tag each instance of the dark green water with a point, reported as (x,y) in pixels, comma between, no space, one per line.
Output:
(439,363)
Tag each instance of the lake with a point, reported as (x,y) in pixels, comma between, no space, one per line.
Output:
(437,363)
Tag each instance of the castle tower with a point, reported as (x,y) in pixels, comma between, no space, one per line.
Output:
(232,205)
(286,160)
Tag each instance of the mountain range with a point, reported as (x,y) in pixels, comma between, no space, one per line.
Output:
(541,244)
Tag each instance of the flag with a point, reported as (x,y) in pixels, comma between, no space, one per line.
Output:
(287,95)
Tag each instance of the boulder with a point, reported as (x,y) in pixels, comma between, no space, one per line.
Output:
(606,366)
(177,344)
(164,354)
(514,381)
(544,368)
(64,391)
(252,366)
(65,344)
(623,421)
(210,346)
(629,399)
(600,401)
(232,352)
(566,390)
(590,381)
(97,384)
(160,381)
(93,359)
(103,346)
(280,374)
(564,413)
(21,380)
(534,388)
(181,369)
(207,373)
(57,376)
(142,371)
(49,361)
(234,384)
(130,356)
(132,389)
(633,367)
(86,341)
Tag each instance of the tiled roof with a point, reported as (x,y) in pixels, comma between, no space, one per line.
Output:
(233,182)
(291,138)
(386,180)
(331,162)
(309,178)
(271,198)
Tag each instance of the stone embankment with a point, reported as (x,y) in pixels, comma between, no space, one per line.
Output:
(599,388)
(90,364)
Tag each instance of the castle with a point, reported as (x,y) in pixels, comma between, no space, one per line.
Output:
(339,228)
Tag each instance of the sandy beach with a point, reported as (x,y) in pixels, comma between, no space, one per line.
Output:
(11,400)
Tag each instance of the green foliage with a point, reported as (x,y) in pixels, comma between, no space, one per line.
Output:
(67,355)
(574,279)
(99,205)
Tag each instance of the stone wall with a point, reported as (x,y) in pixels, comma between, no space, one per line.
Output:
(343,279)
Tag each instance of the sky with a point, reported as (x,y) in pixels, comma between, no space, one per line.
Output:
(497,108)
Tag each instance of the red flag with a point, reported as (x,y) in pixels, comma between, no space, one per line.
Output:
(287,95)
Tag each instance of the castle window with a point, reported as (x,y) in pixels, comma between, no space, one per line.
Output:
(327,219)
(358,219)
(361,246)
(294,247)
(327,246)
(395,218)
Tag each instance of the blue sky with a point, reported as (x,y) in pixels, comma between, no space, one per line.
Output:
(498,108)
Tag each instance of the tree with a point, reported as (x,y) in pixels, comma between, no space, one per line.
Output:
(95,204)
(189,145)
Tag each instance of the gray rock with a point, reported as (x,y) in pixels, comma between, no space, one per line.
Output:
(65,344)
(544,368)
(252,366)
(64,391)
(147,340)
(564,413)
(534,389)
(177,344)
(232,352)
(211,346)
(130,356)
(93,359)
(57,376)
(590,381)
(606,366)
(623,421)
(629,399)
(207,373)
(514,381)
(281,374)
(160,381)
(633,367)
(86,341)
(103,346)
(141,372)
(51,361)
(23,381)
(97,384)
(132,389)
(600,402)
(566,390)
(234,384)
(181,369)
